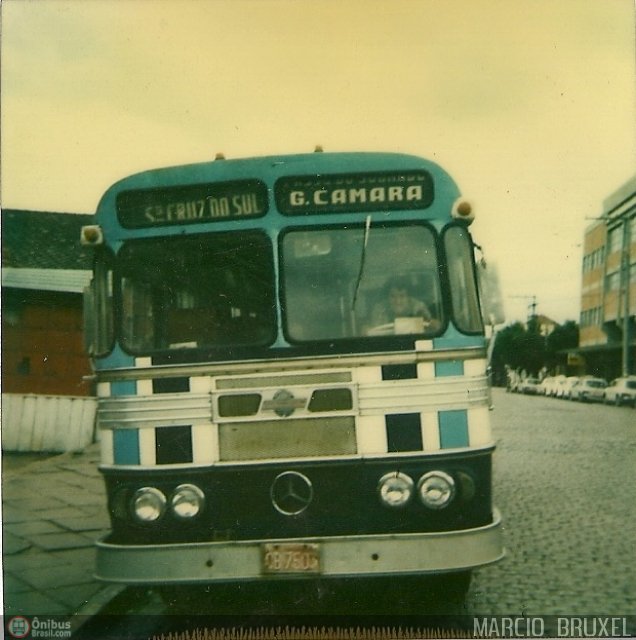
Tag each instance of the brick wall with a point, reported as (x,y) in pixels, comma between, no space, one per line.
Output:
(42,344)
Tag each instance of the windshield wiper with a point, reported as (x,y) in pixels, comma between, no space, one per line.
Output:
(367,228)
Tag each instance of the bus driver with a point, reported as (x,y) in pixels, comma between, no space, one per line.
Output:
(399,303)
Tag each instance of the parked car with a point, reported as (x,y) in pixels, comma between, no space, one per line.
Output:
(621,391)
(529,386)
(546,385)
(565,389)
(555,390)
(588,390)
(513,383)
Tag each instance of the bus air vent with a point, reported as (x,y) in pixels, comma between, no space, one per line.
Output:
(245,404)
(330,400)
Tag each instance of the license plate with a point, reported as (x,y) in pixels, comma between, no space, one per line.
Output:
(290,558)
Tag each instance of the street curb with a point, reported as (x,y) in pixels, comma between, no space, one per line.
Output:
(95,604)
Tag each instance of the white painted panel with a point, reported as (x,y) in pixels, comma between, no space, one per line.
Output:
(103,390)
(479,433)
(62,422)
(73,438)
(371,435)
(144,387)
(42,417)
(147,447)
(106,446)
(200,384)
(367,374)
(430,430)
(49,432)
(11,411)
(25,434)
(426,370)
(47,423)
(205,443)
(476,367)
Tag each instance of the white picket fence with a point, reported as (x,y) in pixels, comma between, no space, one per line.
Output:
(47,423)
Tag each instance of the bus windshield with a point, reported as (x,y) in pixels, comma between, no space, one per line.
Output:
(202,291)
(353,282)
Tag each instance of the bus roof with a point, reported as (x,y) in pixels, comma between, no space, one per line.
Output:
(268,170)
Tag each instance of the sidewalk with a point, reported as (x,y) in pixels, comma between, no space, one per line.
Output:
(52,512)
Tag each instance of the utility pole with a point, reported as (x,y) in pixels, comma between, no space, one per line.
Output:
(532,306)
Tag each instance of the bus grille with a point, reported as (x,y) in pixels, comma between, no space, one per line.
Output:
(287,439)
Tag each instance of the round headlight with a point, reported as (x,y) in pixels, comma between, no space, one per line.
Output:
(148,504)
(187,501)
(395,489)
(436,489)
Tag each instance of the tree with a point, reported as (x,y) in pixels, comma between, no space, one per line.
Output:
(523,348)
(564,337)
(506,351)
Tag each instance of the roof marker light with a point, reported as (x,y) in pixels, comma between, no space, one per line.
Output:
(463,210)
(91,235)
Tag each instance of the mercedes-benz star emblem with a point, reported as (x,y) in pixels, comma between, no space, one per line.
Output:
(291,493)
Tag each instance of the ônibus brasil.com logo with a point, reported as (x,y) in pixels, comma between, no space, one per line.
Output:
(21,627)
(18,627)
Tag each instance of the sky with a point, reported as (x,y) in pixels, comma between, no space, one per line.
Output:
(529,104)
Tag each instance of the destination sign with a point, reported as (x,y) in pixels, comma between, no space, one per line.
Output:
(354,192)
(190,204)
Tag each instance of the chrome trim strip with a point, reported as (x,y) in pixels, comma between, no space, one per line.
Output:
(359,555)
(289,365)
(425,455)
(163,409)
(419,396)
(330,377)
(376,398)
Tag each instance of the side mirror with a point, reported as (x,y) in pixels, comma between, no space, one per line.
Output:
(490,293)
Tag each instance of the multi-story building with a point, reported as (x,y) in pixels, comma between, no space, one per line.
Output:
(608,293)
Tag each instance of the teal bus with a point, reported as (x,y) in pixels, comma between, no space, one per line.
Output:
(291,369)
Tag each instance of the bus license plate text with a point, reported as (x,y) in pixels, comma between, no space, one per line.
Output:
(291,558)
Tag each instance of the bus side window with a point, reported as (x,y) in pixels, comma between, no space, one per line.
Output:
(459,254)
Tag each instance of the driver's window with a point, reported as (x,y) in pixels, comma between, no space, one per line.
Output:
(344,283)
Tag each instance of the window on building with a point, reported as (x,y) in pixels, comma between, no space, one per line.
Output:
(613,281)
(615,239)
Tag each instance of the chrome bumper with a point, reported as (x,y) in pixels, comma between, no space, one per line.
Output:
(341,556)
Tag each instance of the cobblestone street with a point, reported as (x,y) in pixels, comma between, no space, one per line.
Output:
(565,481)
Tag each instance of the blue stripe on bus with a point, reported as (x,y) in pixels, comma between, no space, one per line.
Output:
(126,446)
(453,339)
(453,429)
(449,368)
(116,359)
(123,388)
